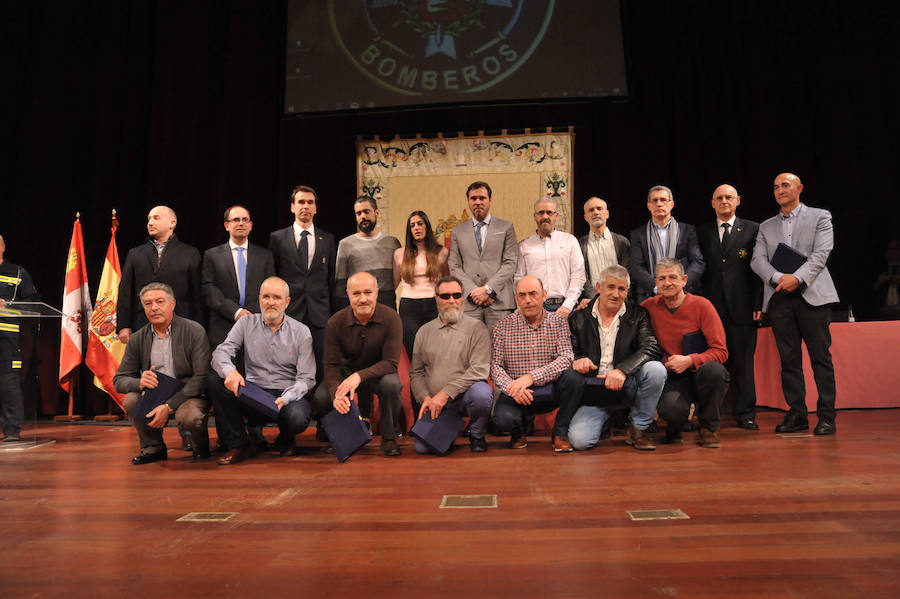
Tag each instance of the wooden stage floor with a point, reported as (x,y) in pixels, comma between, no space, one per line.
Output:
(769,516)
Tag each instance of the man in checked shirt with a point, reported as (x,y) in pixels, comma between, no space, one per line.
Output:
(531,359)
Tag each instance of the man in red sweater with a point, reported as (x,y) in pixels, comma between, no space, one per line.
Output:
(694,353)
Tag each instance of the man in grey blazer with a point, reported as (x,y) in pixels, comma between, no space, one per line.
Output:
(176,347)
(798,303)
(483,255)
(601,247)
(229,294)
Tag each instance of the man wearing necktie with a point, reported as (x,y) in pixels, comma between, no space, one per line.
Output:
(736,292)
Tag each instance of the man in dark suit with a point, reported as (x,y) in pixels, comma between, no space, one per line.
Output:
(176,347)
(305,257)
(601,248)
(232,275)
(663,237)
(736,292)
(163,259)
(799,303)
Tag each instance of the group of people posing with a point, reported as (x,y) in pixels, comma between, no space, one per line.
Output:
(586,326)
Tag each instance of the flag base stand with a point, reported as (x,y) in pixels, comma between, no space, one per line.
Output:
(107,418)
(67,418)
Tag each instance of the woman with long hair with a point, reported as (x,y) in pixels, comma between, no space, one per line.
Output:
(419,265)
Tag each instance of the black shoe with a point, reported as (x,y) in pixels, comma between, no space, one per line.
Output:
(201,454)
(148,458)
(389,448)
(748,424)
(187,442)
(825,428)
(258,438)
(477,445)
(11,438)
(673,436)
(792,424)
(286,446)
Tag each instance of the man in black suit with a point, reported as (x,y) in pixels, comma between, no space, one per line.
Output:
(230,295)
(663,237)
(736,292)
(304,257)
(601,248)
(163,259)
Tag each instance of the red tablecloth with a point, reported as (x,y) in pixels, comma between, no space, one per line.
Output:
(866,367)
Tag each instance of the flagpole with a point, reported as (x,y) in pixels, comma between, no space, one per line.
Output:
(109,416)
(74,374)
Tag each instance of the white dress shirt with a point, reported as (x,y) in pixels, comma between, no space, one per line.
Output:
(557,261)
(607,339)
(311,240)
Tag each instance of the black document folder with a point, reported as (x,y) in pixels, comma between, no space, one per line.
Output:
(693,343)
(346,432)
(786,259)
(438,434)
(153,398)
(259,399)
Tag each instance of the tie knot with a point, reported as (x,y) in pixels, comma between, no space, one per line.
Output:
(726,226)
(304,234)
(240,249)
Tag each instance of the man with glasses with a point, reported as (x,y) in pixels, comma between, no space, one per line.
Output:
(450,365)
(555,258)
(663,237)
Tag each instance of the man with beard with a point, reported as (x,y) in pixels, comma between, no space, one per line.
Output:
(601,247)
(555,258)
(369,250)
(278,357)
(483,255)
(176,347)
(363,344)
(450,365)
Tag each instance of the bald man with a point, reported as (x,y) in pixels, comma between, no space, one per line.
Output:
(799,303)
(162,259)
(736,292)
(363,343)
(600,247)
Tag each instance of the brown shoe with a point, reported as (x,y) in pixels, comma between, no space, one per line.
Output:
(636,439)
(709,439)
(518,441)
(236,456)
(561,445)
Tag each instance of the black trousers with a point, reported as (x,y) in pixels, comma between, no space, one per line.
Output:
(794,320)
(388,388)
(741,342)
(509,416)
(705,387)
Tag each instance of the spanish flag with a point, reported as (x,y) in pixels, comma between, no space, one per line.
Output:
(76,308)
(104,350)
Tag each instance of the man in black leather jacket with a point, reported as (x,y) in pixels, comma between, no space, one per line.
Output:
(618,354)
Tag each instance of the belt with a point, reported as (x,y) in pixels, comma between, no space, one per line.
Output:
(554,301)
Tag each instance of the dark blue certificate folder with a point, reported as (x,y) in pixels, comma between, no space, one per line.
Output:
(259,399)
(786,259)
(438,434)
(693,343)
(153,398)
(346,432)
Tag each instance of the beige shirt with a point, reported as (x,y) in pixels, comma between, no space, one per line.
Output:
(449,357)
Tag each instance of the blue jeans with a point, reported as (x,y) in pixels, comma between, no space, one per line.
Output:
(475,403)
(644,388)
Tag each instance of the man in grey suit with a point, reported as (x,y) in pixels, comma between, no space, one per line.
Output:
(232,274)
(601,247)
(798,303)
(483,255)
(176,347)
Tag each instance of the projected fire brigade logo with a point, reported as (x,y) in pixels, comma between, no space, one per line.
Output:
(430,47)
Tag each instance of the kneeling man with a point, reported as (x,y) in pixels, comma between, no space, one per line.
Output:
(531,349)
(612,340)
(278,357)
(450,365)
(697,372)
(176,347)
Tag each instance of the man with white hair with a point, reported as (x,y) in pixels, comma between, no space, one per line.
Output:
(278,357)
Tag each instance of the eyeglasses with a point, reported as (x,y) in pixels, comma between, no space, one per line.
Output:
(545,212)
(454,295)
(239,219)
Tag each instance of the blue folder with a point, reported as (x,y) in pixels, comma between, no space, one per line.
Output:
(259,399)
(438,434)
(153,398)
(347,433)
(591,380)
(693,343)
(542,393)
(786,259)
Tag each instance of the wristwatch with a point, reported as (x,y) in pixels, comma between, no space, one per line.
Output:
(488,290)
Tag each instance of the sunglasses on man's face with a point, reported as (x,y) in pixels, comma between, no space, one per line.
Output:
(454,295)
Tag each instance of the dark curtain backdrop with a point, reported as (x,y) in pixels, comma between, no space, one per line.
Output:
(127,105)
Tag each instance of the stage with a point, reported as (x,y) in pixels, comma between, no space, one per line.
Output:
(768,516)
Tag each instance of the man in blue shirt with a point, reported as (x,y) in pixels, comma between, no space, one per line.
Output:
(278,357)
